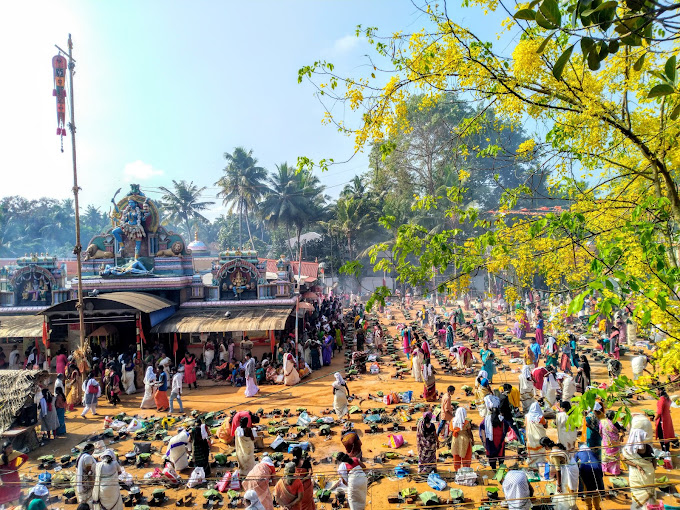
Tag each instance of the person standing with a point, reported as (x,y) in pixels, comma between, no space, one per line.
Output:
(526,388)
(430,387)
(462,439)
(534,427)
(566,434)
(663,423)
(149,381)
(303,470)
(208,356)
(128,378)
(61,361)
(593,436)
(427,444)
(60,406)
(200,446)
(176,392)
(591,482)
(611,437)
(244,440)
(506,408)
(583,374)
(161,395)
(446,412)
(10,483)
(249,370)
(14,359)
(92,392)
(488,364)
(189,362)
(492,432)
(340,395)
(290,374)
(85,471)
(106,492)
(417,364)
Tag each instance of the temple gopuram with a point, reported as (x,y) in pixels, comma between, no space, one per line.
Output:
(140,288)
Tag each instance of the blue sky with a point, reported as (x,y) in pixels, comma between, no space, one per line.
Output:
(164,88)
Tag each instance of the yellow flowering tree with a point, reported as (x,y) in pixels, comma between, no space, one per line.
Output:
(600,78)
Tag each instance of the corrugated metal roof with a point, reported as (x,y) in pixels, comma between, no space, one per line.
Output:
(21,326)
(213,320)
(142,301)
(146,303)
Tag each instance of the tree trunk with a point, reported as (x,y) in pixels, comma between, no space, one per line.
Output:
(188,230)
(240,221)
(290,248)
(250,236)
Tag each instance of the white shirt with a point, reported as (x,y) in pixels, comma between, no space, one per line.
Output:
(177,383)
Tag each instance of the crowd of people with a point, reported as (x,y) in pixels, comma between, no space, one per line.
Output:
(550,374)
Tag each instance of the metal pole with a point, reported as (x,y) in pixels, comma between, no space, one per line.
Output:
(78,247)
(297,306)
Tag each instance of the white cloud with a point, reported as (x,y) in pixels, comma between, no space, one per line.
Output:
(140,171)
(346,44)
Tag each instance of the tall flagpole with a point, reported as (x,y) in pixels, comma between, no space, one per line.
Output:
(78,248)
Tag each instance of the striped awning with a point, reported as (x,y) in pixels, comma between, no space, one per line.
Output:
(220,320)
(21,326)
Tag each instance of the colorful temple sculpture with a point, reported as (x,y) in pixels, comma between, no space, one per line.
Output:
(142,288)
(27,287)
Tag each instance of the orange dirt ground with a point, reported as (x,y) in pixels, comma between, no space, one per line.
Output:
(315,394)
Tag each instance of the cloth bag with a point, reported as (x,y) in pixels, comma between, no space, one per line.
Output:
(436,482)
(395,440)
(197,477)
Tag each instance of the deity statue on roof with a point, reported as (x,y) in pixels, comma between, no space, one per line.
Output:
(130,221)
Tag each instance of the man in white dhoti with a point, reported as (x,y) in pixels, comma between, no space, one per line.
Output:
(178,450)
(249,369)
(85,466)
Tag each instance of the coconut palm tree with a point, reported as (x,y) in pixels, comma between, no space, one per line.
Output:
(295,200)
(353,216)
(182,204)
(242,185)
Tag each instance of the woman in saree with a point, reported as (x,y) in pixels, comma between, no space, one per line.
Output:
(128,378)
(340,394)
(189,363)
(526,388)
(535,425)
(406,335)
(482,389)
(462,439)
(200,446)
(149,382)
(583,374)
(489,331)
(663,422)
(488,365)
(244,441)
(593,437)
(417,360)
(290,374)
(427,444)
(259,479)
(539,331)
(351,471)
(639,455)
(106,492)
(551,352)
(611,438)
(10,461)
(430,392)
(74,386)
(289,490)
(450,336)
(566,474)
(303,470)
(327,353)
